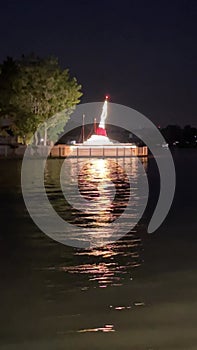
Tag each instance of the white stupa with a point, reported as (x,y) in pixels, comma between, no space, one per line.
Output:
(100,138)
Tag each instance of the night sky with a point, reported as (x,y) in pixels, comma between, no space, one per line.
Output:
(142,53)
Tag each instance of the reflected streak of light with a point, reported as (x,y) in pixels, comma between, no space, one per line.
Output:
(105,329)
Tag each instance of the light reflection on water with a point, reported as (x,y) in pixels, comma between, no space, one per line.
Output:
(105,185)
(108,266)
(106,329)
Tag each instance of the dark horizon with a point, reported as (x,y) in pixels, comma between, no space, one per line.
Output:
(142,54)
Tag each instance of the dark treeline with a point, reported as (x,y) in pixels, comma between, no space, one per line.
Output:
(180,137)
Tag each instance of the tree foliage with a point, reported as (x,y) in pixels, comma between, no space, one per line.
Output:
(32,90)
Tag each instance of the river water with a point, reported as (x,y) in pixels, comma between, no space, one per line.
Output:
(139,293)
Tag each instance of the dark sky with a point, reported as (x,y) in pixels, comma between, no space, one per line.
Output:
(143,53)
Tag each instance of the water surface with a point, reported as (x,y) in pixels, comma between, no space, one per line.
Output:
(138,293)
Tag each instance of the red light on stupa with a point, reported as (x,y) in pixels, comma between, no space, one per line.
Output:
(101,132)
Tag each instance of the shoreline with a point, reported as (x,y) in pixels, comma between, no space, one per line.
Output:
(76,151)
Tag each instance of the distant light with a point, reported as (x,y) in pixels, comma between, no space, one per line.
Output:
(106,97)
(139,304)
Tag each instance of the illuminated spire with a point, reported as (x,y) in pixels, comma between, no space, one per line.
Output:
(104,114)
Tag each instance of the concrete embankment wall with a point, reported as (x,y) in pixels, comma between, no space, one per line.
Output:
(98,151)
(62,151)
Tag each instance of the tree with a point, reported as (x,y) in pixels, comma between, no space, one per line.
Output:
(36,90)
(8,73)
(172,133)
